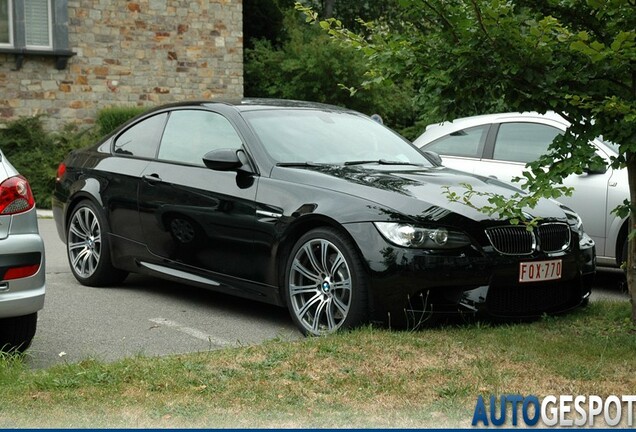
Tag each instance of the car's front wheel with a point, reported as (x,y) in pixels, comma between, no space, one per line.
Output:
(326,285)
(16,333)
(87,243)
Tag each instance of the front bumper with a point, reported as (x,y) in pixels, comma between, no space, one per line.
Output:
(409,286)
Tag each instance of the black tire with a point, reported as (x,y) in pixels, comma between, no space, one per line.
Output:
(326,285)
(624,255)
(88,247)
(16,333)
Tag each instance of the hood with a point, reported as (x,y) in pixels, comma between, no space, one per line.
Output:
(418,193)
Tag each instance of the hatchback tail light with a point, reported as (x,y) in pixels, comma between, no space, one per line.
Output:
(61,170)
(15,196)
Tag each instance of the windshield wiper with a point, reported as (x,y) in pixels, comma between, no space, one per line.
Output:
(381,162)
(299,164)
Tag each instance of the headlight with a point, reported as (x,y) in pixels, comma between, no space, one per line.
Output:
(407,235)
(576,223)
(573,218)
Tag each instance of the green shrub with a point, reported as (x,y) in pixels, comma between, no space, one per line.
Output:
(32,151)
(111,118)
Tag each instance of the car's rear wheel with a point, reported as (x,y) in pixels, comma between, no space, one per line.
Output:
(16,333)
(326,285)
(87,243)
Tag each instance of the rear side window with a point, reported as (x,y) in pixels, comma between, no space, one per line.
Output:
(141,139)
(523,142)
(466,143)
(190,134)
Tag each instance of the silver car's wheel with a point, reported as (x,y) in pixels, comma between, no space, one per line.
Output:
(325,284)
(16,333)
(84,242)
(87,243)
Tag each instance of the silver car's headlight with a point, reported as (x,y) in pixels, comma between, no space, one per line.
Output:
(411,236)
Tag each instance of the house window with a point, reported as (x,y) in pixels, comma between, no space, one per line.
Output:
(35,27)
(6,23)
(37,24)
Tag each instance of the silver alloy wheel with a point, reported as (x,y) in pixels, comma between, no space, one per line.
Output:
(84,242)
(320,286)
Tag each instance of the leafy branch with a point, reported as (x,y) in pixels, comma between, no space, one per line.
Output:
(514,208)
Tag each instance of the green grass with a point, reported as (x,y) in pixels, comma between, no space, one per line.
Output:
(364,378)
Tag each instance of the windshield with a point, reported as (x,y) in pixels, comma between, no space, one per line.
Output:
(329,137)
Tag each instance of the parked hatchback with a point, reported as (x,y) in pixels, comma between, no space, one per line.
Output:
(313,207)
(22,273)
(500,145)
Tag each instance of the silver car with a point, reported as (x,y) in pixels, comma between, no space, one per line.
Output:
(22,271)
(500,145)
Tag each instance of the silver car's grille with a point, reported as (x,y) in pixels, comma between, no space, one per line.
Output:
(517,240)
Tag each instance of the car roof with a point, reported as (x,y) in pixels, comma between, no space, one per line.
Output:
(437,130)
(247,104)
(264,103)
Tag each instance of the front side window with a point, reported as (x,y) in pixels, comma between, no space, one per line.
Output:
(523,142)
(6,23)
(466,143)
(141,139)
(37,23)
(190,134)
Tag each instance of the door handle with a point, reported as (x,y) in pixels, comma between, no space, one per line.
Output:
(151,178)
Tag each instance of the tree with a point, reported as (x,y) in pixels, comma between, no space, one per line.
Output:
(574,57)
(304,65)
(263,20)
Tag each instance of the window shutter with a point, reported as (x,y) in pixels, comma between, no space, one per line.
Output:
(37,23)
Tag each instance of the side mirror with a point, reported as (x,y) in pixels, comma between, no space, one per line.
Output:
(596,169)
(222,160)
(433,157)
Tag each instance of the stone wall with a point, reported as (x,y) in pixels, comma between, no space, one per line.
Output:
(135,52)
